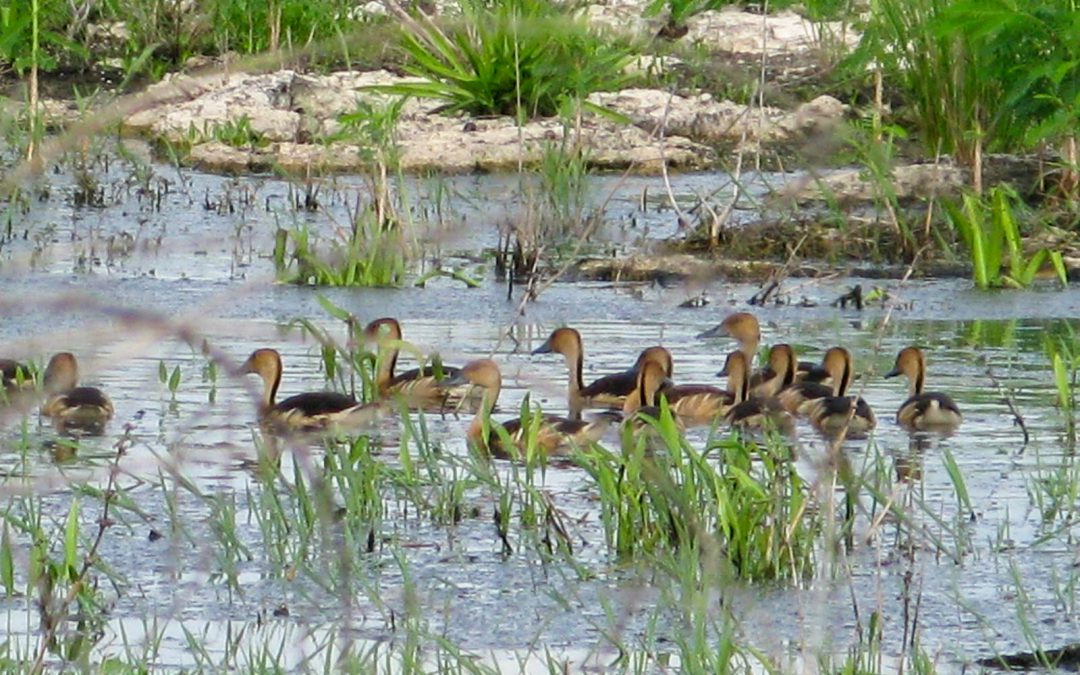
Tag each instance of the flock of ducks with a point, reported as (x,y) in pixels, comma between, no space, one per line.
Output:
(770,398)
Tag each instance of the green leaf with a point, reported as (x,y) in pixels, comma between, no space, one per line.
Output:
(332,309)
(71,541)
(7,563)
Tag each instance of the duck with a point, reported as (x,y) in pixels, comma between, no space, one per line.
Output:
(418,388)
(609,391)
(652,381)
(923,410)
(840,414)
(69,406)
(745,329)
(836,363)
(700,404)
(756,410)
(15,375)
(313,411)
(779,373)
(555,436)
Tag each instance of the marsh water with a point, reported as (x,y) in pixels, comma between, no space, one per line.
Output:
(197,260)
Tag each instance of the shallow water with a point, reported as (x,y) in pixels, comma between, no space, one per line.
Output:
(207,279)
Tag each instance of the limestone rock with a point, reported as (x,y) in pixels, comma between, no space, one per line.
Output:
(700,117)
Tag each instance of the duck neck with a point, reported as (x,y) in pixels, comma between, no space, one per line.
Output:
(386,367)
(487,403)
(840,387)
(270,387)
(791,369)
(575,363)
(749,346)
(918,382)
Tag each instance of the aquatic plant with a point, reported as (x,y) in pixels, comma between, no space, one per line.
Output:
(524,58)
(990,231)
(740,506)
(376,249)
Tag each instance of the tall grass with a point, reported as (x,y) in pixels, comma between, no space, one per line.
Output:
(990,230)
(741,507)
(950,92)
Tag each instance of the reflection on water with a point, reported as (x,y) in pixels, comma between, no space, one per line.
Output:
(191,455)
(476,597)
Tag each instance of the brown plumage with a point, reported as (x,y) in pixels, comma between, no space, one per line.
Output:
(418,388)
(69,406)
(555,435)
(840,414)
(701,405)
(795,397)
(759,409)
(307,412)
(652,381)
(609,391)
(780,372)
(744,328)
(922,411)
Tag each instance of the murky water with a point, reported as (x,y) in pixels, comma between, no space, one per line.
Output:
(209,274)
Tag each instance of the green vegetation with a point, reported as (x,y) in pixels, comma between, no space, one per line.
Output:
(990,231)
(525,58)
(739,506)
(377,248)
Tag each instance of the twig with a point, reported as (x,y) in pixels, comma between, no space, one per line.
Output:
(1009,401)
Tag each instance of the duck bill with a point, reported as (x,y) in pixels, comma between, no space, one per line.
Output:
(716,331)
(893,373)
(451,382)
(543,349)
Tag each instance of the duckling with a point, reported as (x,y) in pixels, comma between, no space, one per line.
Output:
(761,411)
(701,405)
(307,412)
(922,411)
(555,435)
(71,407)
(795,397)
(418,387)
(609,391)
(841,414)
(745,329)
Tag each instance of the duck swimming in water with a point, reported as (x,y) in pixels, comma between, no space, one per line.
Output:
(307,412)
(69,406)
(923,410)
(840,414)
(744,328)
(555,435)
(755,410)
(418,388)
(609,391)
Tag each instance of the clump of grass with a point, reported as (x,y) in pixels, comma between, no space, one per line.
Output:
(517,57)
(990,231)
(740,502)
(237,133)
